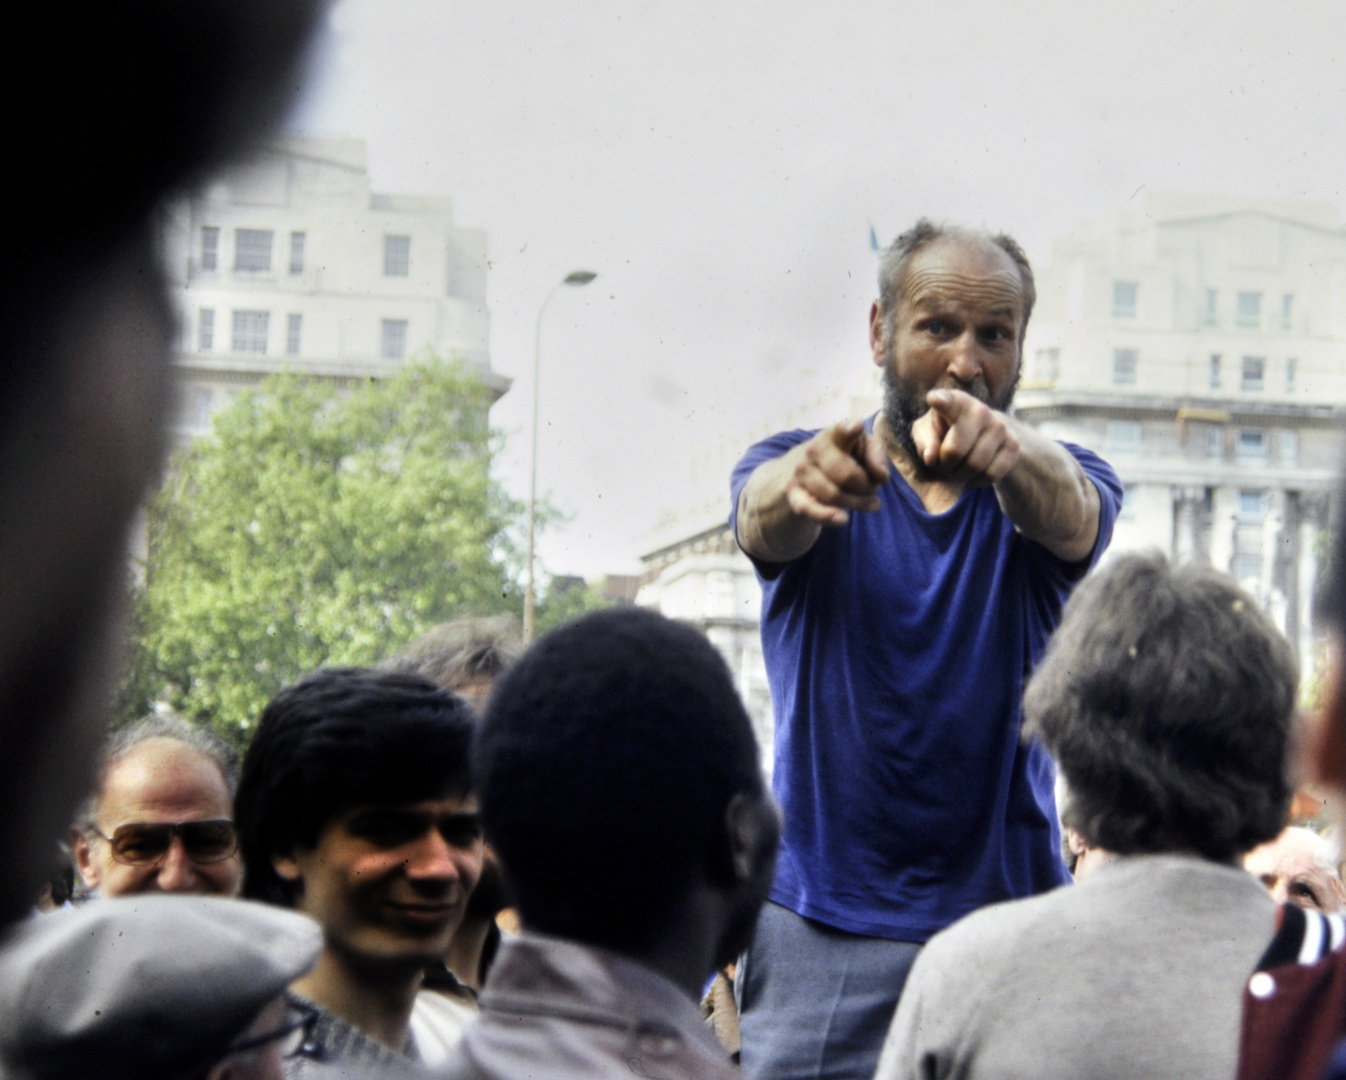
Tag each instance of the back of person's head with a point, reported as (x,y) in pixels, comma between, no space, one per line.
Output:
(606,761)
(464,655)
(150,986)
(341,738)
(1166,698)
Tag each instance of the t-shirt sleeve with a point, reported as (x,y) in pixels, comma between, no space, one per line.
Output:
(759,453)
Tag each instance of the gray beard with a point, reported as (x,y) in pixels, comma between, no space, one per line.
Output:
(903,406)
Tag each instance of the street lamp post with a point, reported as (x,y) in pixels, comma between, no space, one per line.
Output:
(575,277)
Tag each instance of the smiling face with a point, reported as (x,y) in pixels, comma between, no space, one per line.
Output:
(389,884)
(160,780)
(958,326)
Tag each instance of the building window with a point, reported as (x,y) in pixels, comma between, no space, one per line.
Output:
(1215,444)
(1127,511)
(396,256)
(205,329)
(250,329)
(393,344)
(210,247)
(1211,315)
(1215,371)
(1248,567)
(1048,365)
(1250,309)
(1252,505)
(294,324)
(201,403)
(1123,437)
(1124,299)
(1291,370)
(252,249)
(1252,446)
(1124,367)
(1251,378)
(1287,311)
(1289,448)
(296,252)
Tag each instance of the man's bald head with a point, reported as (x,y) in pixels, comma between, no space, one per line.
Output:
(896,259)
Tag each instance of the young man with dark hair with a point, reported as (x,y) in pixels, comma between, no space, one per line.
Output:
(1166,698)
(355,807)
(619,784)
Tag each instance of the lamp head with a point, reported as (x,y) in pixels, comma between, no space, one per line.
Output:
(579,277)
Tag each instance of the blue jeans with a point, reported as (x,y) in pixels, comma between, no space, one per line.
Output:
(815,1002)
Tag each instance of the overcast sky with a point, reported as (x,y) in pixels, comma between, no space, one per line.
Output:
(719,165)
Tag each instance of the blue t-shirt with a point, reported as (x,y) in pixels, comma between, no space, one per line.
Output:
(897,650)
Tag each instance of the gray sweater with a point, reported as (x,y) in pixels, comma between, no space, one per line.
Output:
(1136,973)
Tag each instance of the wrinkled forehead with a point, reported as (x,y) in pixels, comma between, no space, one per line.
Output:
(965,271)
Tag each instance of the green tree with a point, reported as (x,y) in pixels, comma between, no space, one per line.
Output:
(314,526)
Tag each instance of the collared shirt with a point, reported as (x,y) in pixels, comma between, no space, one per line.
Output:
(336,1048)
(567,1011)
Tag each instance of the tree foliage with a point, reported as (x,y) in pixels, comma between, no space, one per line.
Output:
(317,526)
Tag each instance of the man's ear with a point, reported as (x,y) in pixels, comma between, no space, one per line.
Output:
(287,867)
(752,828)
(81,849)
(878,334)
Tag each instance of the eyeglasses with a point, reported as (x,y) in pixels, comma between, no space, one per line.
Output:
(292,1035)
(143,843)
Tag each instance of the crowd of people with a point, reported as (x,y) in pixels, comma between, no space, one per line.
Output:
(1029,809)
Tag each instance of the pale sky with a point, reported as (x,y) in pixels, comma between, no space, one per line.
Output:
(719,165)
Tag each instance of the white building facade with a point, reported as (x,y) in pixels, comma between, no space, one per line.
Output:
(292,263)
(1199,345)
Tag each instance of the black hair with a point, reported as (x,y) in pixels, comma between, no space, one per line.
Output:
(1167,698)
(338,739)
(606,760)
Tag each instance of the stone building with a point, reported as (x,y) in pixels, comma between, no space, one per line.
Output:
(1199,344)
(292,262)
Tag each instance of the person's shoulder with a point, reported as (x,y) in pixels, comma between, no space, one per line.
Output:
(777,444)
(998,932)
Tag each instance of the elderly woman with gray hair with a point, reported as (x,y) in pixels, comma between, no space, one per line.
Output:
(1166,699)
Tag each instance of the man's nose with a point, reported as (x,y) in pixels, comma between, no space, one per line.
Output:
(432,859)
(965,361)
(177,873)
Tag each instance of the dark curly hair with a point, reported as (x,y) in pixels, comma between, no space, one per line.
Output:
(605,761)
(1167,698)
(338,739)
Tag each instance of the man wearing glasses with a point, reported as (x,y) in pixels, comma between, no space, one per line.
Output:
(162,820)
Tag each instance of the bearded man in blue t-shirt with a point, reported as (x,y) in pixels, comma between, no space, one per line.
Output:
(913,566)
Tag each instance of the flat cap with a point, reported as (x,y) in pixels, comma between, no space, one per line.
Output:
(143,986)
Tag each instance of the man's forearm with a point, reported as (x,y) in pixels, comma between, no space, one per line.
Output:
(767,528)
(1049,498)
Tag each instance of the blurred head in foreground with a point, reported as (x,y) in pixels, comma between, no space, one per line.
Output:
(159,94)
(177,988)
